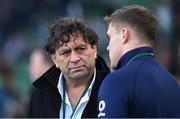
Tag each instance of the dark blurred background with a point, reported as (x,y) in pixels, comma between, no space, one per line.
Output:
(24,27)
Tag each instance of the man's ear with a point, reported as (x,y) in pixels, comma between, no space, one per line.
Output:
(124,35)
(53,57)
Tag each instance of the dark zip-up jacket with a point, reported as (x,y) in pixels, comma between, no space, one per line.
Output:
(46,100)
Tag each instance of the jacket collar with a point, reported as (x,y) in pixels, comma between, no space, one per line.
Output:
(132,53)
(50,76)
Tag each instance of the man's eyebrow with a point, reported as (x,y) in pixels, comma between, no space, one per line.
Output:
(80,45)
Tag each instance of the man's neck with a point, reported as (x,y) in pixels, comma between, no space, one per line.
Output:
(70,83)
(134,45)
(74,94)
(75,90)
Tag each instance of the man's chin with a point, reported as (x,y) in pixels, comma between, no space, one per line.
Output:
(78,75)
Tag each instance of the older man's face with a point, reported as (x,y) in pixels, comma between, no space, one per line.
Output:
(76,59)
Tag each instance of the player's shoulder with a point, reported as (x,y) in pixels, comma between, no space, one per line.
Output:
(116,78)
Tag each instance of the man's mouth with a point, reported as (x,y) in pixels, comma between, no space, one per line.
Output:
(75,68)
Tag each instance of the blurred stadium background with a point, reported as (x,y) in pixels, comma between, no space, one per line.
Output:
(24,27)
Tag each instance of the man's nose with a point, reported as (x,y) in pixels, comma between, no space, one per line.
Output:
(74,57)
